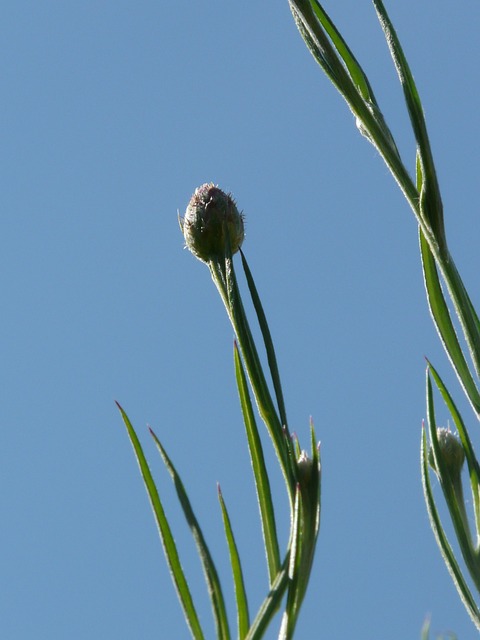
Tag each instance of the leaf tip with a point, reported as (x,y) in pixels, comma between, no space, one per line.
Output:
(152,432)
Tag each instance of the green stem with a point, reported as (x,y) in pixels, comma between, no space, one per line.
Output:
(223,275)
(361,101)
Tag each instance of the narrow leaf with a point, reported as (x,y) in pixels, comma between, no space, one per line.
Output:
(341,67)
(267,339)
(169,547)
(211,575)
(430,212)
(431,202)
(254,370)
(262,482)
(270,605)
(464,309)
(296,548)
(443,322)
(458,421)
(243,620)
(318,43)
(354,69)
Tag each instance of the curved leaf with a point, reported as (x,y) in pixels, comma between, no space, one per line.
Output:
(211,575)
(443,322)
(169,547)
(243,620)
(262,482)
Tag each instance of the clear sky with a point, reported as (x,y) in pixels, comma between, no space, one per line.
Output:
(112,113)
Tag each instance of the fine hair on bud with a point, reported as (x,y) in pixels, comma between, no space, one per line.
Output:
(212,227)
(451,450)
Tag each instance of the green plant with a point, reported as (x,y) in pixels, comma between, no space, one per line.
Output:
(213,231)
(445,452)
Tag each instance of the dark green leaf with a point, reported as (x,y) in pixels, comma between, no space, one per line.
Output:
(296,548)
(166,537)
(459,424)
(270,605)
(267,339)
(444,324)
(243,620)
(211,575)
(225,279)
(431,207)
(354,69)
(262,483)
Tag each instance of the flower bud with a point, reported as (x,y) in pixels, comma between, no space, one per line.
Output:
(304,468)
(451,450)
(308,477)
(210,220)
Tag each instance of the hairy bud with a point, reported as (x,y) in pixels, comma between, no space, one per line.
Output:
(212,224)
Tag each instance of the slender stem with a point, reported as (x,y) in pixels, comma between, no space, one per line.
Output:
(224,278)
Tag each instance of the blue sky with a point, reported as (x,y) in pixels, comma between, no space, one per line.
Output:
(112,114)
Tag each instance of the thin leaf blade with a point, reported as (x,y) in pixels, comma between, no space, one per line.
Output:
(262,482)
(168,542)
(243,619)
(267,339)
(271,604)
(431,203)
(210,571)
(443,322)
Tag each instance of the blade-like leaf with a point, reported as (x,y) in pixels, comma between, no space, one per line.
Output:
(318,43)
(257,379)
(430,210)
(243,620)
(223,274)
(262,482)
(425,633)
(431,207)
(339,64)
(464,309)
(211,575)
(443,322)
(458,421)
(267,339)
(271,604)
(318,465)
(169,547)
(296,550)
(354,69)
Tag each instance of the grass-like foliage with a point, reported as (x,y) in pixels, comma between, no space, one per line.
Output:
(213,231)
(444,287)
(212,227)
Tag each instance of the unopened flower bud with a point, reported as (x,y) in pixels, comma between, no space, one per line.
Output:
(308,484)
(451,450)
(304,468)
(308,476)
(211,223)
